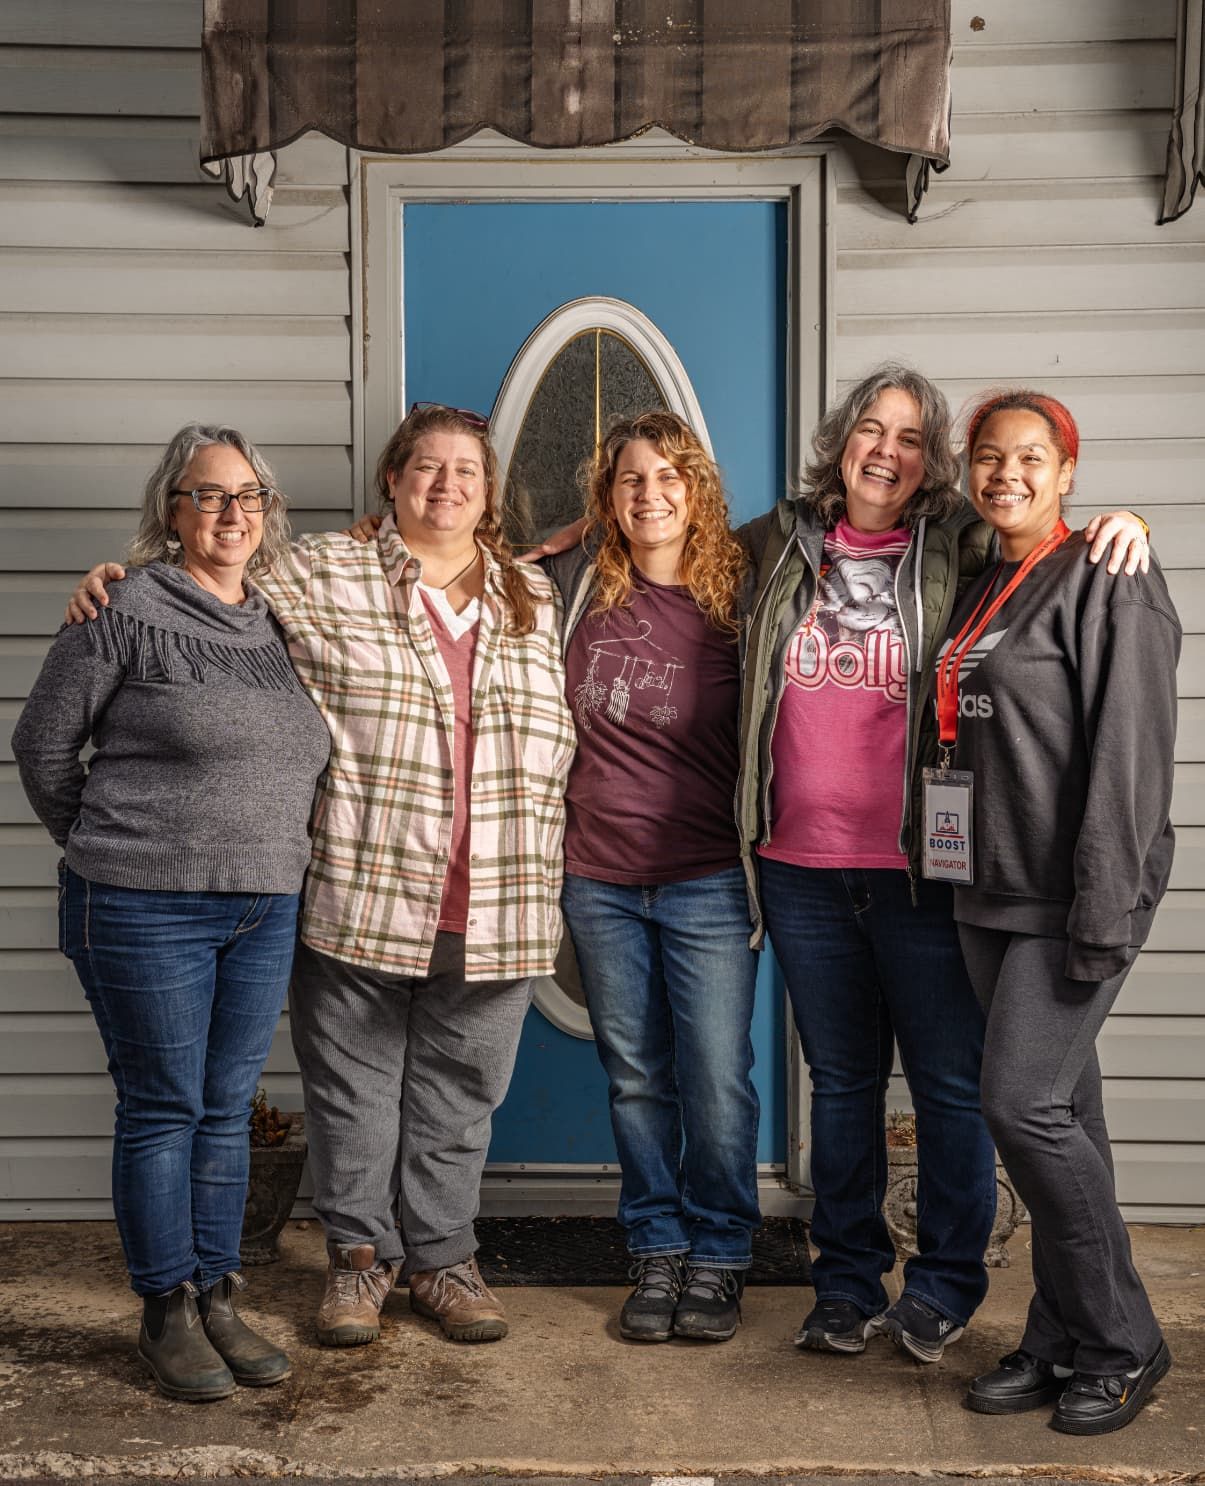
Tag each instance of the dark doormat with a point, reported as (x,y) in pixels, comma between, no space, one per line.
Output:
(591,1251)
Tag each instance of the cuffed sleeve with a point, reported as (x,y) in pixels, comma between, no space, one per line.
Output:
(1127,670)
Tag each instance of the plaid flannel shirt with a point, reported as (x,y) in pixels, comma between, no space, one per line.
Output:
(360,639)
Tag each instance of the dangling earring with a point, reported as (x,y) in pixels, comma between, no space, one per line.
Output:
(173,543)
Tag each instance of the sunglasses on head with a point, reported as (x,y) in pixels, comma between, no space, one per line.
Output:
(474,420)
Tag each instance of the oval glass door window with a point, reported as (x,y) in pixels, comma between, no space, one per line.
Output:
(593,380)
(590,362)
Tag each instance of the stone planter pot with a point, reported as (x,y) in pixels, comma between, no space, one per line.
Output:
(899,1208)
(271,1193)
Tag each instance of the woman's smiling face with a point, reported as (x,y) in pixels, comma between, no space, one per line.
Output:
(1018,478)
(217,540)
(883,462)
(439,495)
(650,500)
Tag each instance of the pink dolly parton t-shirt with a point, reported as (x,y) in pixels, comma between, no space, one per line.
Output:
(838,747)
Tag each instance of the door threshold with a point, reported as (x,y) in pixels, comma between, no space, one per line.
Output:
(583,1194)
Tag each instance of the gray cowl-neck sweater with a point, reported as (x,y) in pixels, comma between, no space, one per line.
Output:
(207,749)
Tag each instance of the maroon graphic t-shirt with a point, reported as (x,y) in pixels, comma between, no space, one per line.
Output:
(837,793)
(654,690)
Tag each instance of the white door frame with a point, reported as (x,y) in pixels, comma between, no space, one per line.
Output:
(655,167)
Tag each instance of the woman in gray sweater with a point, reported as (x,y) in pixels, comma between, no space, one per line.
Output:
(185,845)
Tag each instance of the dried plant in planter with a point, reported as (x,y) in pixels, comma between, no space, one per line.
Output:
(277,1157)
(268,1126)
(901,1130)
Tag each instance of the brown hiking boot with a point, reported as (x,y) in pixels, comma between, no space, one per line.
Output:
(357,1283)
(460,1300)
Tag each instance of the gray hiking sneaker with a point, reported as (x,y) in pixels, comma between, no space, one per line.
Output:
(710,1307)
(648,1312)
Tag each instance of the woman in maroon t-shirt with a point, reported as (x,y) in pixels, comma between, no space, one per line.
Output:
(655,896)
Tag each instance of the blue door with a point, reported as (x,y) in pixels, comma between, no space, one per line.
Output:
(712,277)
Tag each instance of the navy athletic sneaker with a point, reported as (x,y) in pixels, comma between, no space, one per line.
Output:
(918,1328)
(836,1326)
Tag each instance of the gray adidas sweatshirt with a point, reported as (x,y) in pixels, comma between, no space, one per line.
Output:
(207,749)
(1067,718)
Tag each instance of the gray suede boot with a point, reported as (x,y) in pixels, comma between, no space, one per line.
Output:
(253,1360)
(173,1344)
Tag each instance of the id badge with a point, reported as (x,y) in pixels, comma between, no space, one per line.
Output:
(947,855)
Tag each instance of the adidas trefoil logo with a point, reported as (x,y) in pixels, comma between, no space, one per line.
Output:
(979,651)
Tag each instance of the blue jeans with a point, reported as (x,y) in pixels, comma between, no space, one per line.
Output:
(186,989)
(863,964)
(669,980)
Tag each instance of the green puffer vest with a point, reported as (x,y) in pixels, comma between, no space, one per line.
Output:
(786,547)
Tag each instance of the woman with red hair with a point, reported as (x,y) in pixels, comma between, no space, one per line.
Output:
(1056,694)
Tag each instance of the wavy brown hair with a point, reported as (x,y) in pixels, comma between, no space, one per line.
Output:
(712,565)
(434,418)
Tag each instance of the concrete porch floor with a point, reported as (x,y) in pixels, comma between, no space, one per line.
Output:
(562,1396)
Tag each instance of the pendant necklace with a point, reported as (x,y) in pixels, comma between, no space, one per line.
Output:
(443,587)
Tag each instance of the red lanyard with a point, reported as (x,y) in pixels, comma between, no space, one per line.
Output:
(964,640)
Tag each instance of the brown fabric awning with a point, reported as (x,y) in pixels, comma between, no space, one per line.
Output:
(1186,146)
(417,75)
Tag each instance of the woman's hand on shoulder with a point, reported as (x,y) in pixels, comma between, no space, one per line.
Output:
(1124,536)
(558,541)
(365,529)
(90,592)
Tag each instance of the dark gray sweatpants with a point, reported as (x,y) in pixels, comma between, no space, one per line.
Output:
(401,1077)
(1042,1100)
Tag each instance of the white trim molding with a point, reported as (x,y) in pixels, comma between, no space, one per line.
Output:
(565,324)
(561,1009)
(652,167)
(536,355)
(648,169)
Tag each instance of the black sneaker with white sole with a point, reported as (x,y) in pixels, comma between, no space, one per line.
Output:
(835,1326)
(709,1309)
(918,1329)
(1092,1404)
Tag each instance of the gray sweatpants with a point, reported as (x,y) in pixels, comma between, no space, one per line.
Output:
(1043,1104)
(401,1077)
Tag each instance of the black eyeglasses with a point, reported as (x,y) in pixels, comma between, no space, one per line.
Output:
(474,420)
(210,499)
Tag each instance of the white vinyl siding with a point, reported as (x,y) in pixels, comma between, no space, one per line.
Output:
(1038,260)
(134,297)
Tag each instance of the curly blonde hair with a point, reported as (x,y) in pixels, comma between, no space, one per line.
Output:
(712,566)
(435,418)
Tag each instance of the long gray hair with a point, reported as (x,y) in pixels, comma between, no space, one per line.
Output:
(150,544)
(940,494)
